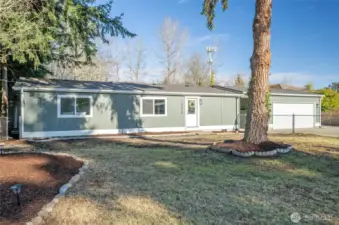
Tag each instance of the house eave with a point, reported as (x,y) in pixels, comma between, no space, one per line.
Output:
(297,95)
(105,91)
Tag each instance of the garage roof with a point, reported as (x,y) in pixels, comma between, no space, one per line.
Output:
(275,91)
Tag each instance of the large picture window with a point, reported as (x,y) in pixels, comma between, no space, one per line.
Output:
(152,106)
(70,106)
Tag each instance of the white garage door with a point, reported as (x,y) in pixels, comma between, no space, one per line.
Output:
(282,115)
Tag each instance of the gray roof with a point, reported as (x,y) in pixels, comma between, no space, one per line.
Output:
(273,91)
(116,86)
(33,83)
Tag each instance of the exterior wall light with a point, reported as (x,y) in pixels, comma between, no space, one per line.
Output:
(16,188)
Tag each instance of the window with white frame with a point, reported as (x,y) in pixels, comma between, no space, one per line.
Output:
(71,106)
(152,106)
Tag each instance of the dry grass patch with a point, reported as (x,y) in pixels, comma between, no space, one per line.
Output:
(168,180)
(126,210)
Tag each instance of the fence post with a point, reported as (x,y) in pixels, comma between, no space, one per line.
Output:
(293,123)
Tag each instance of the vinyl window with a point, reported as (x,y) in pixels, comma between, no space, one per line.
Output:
(152,106)
(71,106)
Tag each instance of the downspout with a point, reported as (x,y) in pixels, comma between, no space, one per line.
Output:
(21,127)
(237,116)
(222,110)
(320,110)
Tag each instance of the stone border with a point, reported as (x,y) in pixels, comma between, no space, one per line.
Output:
(251,153)
(48,208)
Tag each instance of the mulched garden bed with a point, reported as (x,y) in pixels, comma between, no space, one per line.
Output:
(41,176)
(242,148)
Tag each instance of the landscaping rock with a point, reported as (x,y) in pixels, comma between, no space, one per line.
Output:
(64,188)
(284,150)
(243,154)
(266,153)
(37,220)
(75,179)
(43,213)
(49,207)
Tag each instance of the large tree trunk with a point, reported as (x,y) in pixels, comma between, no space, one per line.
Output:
(257,113)
(4,87)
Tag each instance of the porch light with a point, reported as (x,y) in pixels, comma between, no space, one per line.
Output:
(16,188)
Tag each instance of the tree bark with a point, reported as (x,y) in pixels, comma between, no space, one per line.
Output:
(257,112)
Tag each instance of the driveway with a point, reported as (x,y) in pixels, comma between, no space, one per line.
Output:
(331,131)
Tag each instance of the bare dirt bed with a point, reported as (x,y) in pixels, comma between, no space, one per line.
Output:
(242,146)
(41,177)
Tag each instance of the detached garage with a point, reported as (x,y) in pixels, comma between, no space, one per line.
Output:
(284,113)
(288,107)
(301,108)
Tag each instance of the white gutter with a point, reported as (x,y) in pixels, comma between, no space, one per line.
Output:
(301,95)
(289,94)
(105,91)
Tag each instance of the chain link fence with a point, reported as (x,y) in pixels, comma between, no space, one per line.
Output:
(290,122)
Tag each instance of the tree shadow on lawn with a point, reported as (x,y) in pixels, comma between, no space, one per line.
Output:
(207,187)
(196,138)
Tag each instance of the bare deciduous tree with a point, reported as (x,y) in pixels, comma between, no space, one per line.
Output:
(99,70)
(197,71)
(136,61)
(239,81)
(172,39)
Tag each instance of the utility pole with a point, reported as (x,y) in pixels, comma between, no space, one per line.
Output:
(210,50)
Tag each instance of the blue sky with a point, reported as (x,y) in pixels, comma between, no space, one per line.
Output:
(305,35)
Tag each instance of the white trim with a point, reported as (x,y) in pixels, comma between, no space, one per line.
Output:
(198,111)
(75,99)
(76,90)
(152,98)
(98,132)
(76,133)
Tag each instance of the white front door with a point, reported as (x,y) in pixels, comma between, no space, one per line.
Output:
(192,112)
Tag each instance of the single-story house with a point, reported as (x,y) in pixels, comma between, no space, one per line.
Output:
(56,108)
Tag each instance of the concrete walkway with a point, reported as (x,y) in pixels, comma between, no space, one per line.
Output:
(331,131)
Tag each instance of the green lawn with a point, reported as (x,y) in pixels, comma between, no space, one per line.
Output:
(174,181)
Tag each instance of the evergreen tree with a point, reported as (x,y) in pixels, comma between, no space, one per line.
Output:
(212,78)
(34,33)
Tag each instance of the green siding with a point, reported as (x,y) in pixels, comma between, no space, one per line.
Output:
(218,111)
(110,111)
